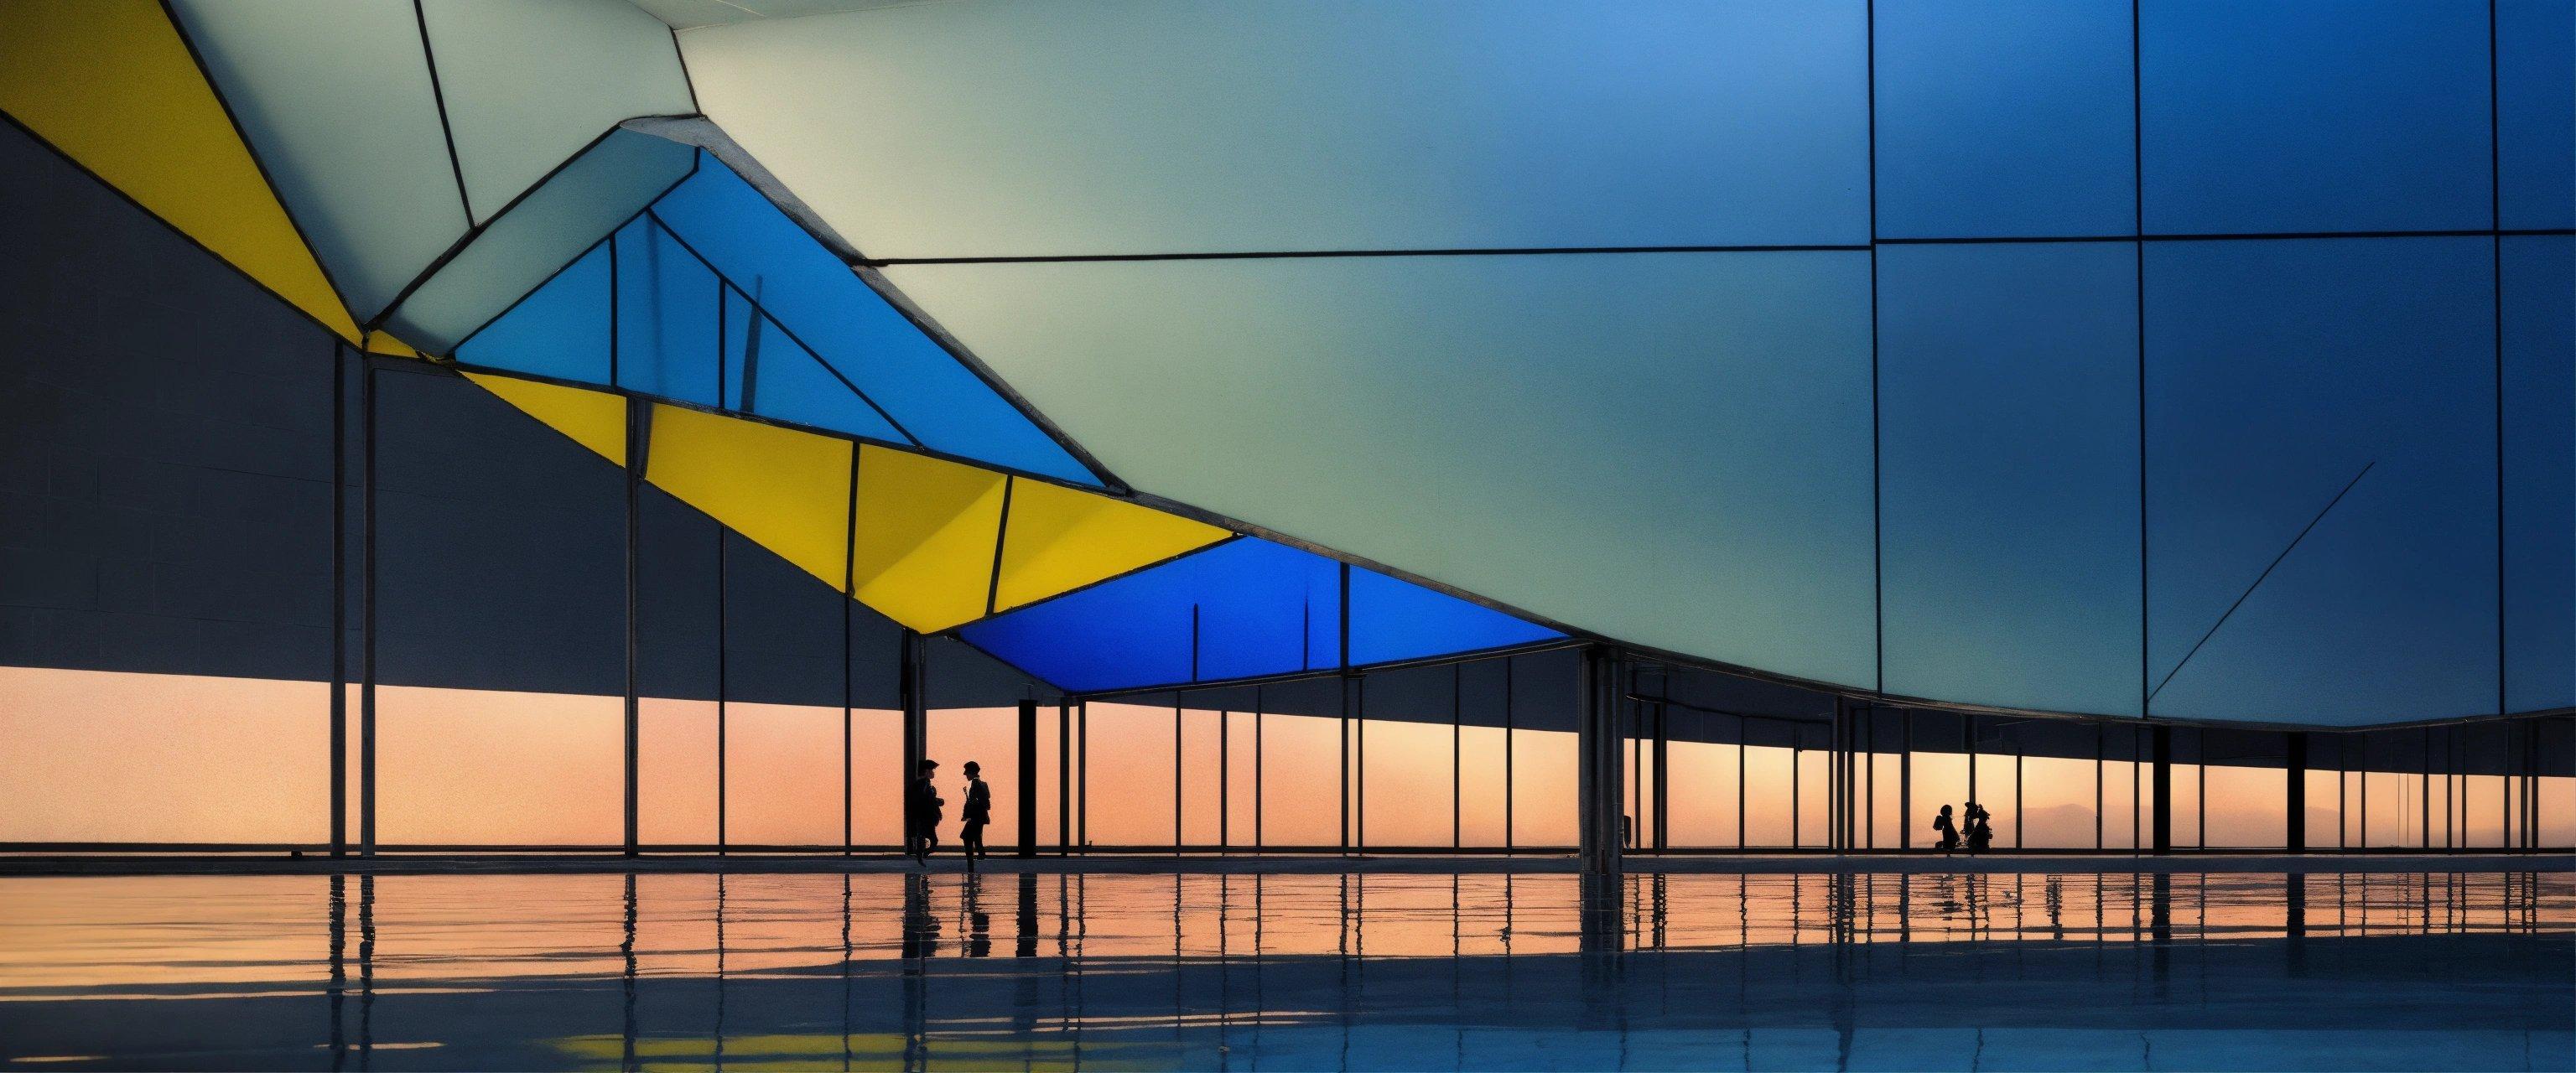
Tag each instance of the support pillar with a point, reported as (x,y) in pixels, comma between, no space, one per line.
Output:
(2297,764)
(2161,738)
(1027,793)
(1598,776)
(367,608)
(636,409)
(916,712)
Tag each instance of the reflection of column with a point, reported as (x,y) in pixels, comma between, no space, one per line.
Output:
(366,971)
(1598,774)
(626,949)
(1027,921)
(339,967)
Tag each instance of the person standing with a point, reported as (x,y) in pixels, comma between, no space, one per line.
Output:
(977,813)
(1981,829)
(921,815)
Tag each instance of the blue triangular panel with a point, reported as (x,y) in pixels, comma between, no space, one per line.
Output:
(1248,608)
(711,263)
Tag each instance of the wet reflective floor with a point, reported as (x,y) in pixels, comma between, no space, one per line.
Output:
(1290,972)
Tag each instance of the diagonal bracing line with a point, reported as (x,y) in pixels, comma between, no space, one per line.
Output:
(2258,579)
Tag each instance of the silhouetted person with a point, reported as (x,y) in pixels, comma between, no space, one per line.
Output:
(1981,828)
(977,813)
(1949,831)
(921,815)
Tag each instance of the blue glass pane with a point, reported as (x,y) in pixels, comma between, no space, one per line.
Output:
(2004,118)
(1395,620)
(780,378)
(1110,637)
(2278,372)
(810,292)
(2008,432)
(2536,111)
(2294,115)
(2540,472)
(666,317)
(558,330)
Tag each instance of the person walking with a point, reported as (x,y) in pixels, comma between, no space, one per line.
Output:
(921,815)
(977,812)
(1949,832)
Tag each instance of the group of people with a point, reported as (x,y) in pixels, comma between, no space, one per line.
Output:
(923,808)
(1980,833)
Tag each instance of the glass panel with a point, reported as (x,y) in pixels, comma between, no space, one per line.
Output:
(2284,115)
(846,324)
(1406,780)
(770,374)
(1767,798)
(675,772)
(1744,376)
(2535,72)
(2008,118)
(2324,810)
(2539,470)
(666,317)
(483,767)
(1130,796)
(1202,793)
(2279,374)
(1700,811)
(2248,806)
(1481,785)
(2008,381)
(101,756)
(1300,778)
(1324,127)
(1398,620)
(2057,803)
(991,738)
(1259,608)
(783,777)
(1939,779)
(1544,772)
(1243,770)
(876,777)
(559,330)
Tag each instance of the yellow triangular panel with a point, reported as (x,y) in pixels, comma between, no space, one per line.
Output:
(786,490)
(1062,539)
(110,84)
(926,530)
(381,343)
(594,419)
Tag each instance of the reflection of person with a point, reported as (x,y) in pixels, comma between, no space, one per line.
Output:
(1981,829)
(921,814)
(1949,831)
(977,812)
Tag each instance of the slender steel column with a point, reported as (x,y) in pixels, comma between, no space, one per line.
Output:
(2162,744)
(1028,788)
(916,712)
(633,712)
(339,603)
(2296,761)
(1063,779)
(367,609)
(724,765)
(1598,771)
